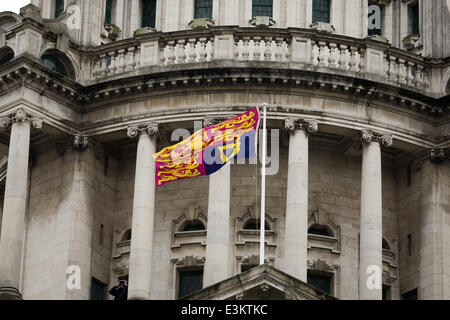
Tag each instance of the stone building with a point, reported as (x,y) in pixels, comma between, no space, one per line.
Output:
(359,205)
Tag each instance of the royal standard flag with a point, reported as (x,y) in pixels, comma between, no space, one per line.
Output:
(209,149)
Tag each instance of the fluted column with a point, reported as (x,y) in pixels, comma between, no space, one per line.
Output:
(296,234)
(140,266)
(218,230)
(13,224)
(371,232)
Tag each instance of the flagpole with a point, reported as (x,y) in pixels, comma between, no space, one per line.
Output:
(263,188)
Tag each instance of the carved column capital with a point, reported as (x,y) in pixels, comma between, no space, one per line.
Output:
(151,128)
(310,126)
(80,142)
(20,115)
(368,136)
(213,120)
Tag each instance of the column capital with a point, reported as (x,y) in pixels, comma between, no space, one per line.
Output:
(434,155)
(213,120)
(151,128)
(368,136)
(20,115)
(80,142)
(310,126)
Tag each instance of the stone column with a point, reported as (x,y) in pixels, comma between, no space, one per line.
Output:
(140,266)
(296,234)
(13,222)
(371,233)
(218,230)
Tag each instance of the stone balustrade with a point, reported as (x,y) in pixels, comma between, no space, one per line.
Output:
(298,50)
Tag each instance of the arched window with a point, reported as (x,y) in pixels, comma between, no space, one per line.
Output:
(58,62)
(254,224)
(321,11)
(148,13)
(126,236)
(203,9)
(193,226)
(6,55)
(320,230)
(262,8)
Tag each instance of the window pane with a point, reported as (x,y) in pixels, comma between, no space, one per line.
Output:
(320,282)
(262,8)
(376,31)
(148,13)
(59,8)
(189,282)
(203,9)
(108,13)
(321,11)
(53,63)
(415,19)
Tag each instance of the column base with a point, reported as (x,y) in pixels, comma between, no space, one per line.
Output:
(10,294)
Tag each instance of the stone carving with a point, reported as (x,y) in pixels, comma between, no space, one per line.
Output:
(438,155)
(435,155)
(309,125)
(151,128)
(368,136)
(80,142)
(20,116)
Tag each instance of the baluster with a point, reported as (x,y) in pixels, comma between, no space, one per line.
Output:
(130,60)
(386,65)
(267,52)
(137,58)
(334,56)
(240,50)
(355,59)
(252,49)
(401,71)
(181,56)
(315,54)
(171,52)
(362,53)
(275,49)
(410,72)
(96,67)
(246,48)
(345,58)
(120,67)
(392,69)
(284,51)
(209,50)
(111,63)
(323,54)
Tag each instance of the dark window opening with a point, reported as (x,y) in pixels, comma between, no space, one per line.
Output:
(98,290)
(148,13)
(262,8)
(254,224)
(7,57)
(189,282)
(320,281)
(54,64)
(410,295)
(321,11)
(127,235)
(59,8)
(193,226)
(246,267)
(320,230)
(415,19)
(203,9)
(385,245)
(108,11)
(386,293)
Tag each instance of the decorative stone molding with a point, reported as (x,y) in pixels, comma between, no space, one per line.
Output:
(201,23)
(151,128)
(262,21)
(434,155)
(189,261)
(368,136)
(332,243)
(182,238)
(20,116)
(323,27)
(80,142)
(309,125)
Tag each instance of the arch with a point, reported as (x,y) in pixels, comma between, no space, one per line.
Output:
(6,55)
(9,20)
(66,58)
(59,62)
(195,225)
(321,230)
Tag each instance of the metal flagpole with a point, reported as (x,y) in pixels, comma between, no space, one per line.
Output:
(263,187)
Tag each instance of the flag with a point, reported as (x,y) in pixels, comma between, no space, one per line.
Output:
(209,149)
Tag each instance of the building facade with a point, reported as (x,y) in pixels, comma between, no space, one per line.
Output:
(358,189)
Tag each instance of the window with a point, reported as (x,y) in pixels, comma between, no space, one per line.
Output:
(320,230)
(411,295)
(415,19)
(127,235)
(193,226)
(98,290)
(59,8)
(254,224)
(375,21)
(6,55)
(386,295)
(262,8)
(320,281)
(203,9)
(53,63)
(321,11)
(108,11)
(246,267)
(148,13)
(189,282)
